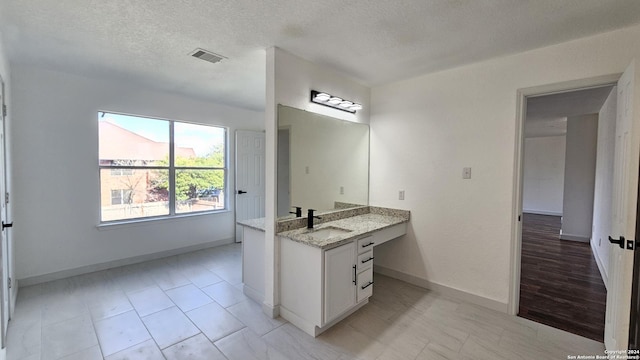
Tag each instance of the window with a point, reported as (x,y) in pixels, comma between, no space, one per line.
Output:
(152,167)
(120,197)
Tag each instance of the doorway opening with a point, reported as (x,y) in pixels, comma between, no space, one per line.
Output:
(567,180)
(623,196)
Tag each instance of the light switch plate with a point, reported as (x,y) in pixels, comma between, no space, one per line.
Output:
(466,173)
(401,195)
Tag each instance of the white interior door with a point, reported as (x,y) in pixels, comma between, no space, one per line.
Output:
(250,175)
(4,234)
(616,333)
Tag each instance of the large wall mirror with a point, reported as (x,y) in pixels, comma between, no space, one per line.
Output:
(321,161)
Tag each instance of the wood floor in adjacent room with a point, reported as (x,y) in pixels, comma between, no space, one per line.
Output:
(560,284)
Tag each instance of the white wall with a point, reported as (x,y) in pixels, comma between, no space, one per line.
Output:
(580,177)
(604,183)
(290,80)
(296,77)
(543,178)
(55,137)
(424,130)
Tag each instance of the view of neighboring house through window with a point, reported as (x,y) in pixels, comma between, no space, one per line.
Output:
(152,167)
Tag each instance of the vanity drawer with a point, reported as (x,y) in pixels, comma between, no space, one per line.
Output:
(365,260)
(365,244)
(365,285)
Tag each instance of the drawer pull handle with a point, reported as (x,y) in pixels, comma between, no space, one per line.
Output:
(366,286)
(354,275)
(366,261)
(367,245)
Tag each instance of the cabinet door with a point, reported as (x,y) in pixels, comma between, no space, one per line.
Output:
(339,280)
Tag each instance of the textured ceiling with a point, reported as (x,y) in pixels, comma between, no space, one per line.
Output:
(370,41)
(547,114)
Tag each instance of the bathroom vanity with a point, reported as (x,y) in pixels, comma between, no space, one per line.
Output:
(326,273)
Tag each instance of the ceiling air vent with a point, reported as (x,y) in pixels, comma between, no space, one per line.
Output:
(207,55)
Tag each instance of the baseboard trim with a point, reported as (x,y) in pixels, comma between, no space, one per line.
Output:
(443,289)
(296,320)
(14,296)
(541,212)
(572,237)
(604,276)
(253,294)
(272,311)
(38,279)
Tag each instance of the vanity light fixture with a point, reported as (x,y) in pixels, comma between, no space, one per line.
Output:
(334,102)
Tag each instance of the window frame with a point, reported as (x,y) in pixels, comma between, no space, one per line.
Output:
(172,169)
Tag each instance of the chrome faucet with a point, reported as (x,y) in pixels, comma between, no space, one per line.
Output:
(310,218)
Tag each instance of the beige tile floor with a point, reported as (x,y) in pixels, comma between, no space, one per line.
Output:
(191,307)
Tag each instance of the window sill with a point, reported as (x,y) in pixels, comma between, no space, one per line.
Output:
(154,220)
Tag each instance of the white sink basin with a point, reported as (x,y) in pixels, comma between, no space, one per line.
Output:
(327,233)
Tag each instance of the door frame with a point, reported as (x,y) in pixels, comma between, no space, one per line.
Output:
(521,112)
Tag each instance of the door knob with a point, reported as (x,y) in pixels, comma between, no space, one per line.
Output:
(6,225)
(241,192)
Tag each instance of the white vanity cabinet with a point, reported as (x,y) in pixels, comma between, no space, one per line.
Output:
(319,287)
(348,277)
(339,280)
(325,273)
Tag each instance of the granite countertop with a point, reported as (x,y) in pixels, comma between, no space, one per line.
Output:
(257,224)
(358,225)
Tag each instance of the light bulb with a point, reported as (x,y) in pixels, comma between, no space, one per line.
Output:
(335,100)
(322,97)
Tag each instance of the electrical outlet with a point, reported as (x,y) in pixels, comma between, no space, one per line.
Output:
(341,190)
(466,173)
(401,195)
